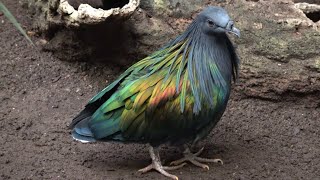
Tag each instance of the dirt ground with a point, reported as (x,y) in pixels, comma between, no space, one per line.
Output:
(39,96)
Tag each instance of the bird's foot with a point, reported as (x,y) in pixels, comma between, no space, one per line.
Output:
(194,159)
(162,169)
(156,165)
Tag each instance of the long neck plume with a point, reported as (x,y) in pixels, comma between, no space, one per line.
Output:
(206,63)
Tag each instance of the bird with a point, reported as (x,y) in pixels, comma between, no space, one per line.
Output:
(174,96)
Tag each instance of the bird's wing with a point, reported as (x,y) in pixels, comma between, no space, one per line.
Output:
(145,109)
(151,101)
(131,74)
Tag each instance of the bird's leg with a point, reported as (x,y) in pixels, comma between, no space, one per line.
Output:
(156,164)
(194,159)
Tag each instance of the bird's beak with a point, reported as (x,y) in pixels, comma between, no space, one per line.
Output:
(233,30)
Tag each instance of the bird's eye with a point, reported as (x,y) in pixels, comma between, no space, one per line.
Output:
(210,23)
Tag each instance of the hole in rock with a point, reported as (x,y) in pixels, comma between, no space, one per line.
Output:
(94,3)
(108,4)
(104,4)
(307,1)
(314,16)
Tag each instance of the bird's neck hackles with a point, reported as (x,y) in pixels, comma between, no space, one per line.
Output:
(196,63)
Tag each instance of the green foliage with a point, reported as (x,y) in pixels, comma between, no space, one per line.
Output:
(13,20)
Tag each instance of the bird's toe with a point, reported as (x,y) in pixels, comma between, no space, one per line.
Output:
(162,169)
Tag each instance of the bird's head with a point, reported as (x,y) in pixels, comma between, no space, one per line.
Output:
(215,20)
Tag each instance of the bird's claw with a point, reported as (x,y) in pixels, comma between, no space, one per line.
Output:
(161,169)
(156,165)
(194,159)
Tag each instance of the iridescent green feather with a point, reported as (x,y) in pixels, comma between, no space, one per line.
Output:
(152,98)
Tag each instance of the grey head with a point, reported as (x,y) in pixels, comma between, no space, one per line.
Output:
(215,20)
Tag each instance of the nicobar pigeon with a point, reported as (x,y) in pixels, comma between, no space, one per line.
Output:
(176,95)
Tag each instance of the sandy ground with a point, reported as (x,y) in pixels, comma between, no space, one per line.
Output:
(39,96)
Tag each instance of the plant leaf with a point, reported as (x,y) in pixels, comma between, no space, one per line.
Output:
(13,20)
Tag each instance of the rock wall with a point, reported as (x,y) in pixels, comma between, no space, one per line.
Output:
(279,50)
(76,13)
(279,47)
